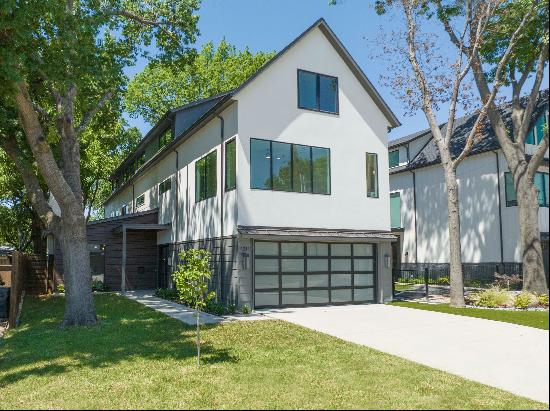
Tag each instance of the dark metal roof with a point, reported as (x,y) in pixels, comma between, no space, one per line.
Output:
(408,138)
(315,232)
(486,141)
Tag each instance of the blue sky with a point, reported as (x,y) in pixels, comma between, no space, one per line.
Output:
(272,24)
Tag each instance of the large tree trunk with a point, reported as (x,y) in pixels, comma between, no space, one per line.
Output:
(534,278)
(79,307)
(455,247)
(38,241)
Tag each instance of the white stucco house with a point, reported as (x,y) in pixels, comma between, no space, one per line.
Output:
(488,211)
(285,179)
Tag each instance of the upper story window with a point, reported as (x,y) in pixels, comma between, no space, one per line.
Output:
(124,210)
(205,177)
(541,182)
(394,158)
(165,138)
(165,186)
(230,165)
(395,210)
(537,132)
(140,201)
(289,167)
(372,175)
(317,92)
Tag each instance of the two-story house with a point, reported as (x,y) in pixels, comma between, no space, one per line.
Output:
(285,179)
(488,209)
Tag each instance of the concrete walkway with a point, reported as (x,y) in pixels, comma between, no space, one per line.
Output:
(507,356)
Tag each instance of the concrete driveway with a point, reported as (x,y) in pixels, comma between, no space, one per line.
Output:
(503,355)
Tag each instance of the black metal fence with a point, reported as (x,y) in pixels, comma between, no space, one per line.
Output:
(420,276)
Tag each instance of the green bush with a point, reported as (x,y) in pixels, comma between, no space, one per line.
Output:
(231,309)
(525,300)
(214,307)
(167,294)
(61,288)
(543,300)
(494,297)
(98,286)
(245,310)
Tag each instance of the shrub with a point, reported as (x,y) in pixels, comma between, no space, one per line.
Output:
(231,309)
(506,281)
(245,310)
(61,288)
(525,300)
(214,307)
(493,297)
(167,294)
(98,286)
(543,300)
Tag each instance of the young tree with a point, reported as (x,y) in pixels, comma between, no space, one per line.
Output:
(61,64)
(191,280)
(521,25)
(161,87)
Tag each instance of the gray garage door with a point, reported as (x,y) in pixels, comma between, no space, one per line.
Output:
(290,274)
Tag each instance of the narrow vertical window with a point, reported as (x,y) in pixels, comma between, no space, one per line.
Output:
(206,177)
(320,158)
(510,190)
(260,164)
(395,210)
(394,158)
(541,182)
(230,165)
(281,166)
(372,175)
(301,169)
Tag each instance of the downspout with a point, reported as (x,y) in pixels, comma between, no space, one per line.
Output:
(222,191)
(133,199)
(415,219)
(499,210)
(177,197)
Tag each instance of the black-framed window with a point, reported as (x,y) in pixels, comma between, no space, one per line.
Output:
(541,183)
(394,158)
(289,167)
(317,92)
(165,186)
(372,175)
(165,138)
(205,177)
(140,200)
(231,165)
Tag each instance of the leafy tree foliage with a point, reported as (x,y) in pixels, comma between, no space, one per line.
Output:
(161,87)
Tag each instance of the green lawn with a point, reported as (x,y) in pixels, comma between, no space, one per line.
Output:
(138,358)
(537,319)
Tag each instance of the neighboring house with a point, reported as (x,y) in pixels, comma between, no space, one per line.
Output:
(488,212)
(285,179)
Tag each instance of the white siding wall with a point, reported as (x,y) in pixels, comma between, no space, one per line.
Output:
(268,110)
(122,199)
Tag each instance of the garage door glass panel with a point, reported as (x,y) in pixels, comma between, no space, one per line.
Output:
(363,264)
(293,281)
(317,280)
(263,248)
(314,264)
(340,280)
(364,294)
(363,279)
(267,281)
(293,298)
(340,265)
(266,298)
(341,296)
(317,297)
(362,250)
(267,265)
(292,249)
(317,249)
(340,250)
(292,265)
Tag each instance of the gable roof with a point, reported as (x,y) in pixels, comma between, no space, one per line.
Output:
(487,140)
(218,101)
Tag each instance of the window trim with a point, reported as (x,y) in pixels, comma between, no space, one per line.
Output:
(199,199)
(377,176)
(318,92)
(291,168)
(226,188)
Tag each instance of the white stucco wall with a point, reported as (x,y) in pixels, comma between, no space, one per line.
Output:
(268,110)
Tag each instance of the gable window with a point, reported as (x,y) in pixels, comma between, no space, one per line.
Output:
(140,201)
(289,167)
(165,186)
(230,165)
(395,210)
(317,92)
(205,177)
(394,158)
(372,175)
(541,183)
(537,132)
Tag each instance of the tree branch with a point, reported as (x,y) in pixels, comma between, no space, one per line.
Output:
(87,117)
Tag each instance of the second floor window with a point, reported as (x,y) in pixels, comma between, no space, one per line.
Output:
(317,92)
(372,175)
(205,177)
(140,201)
(395,210)
(541,182)
(165,186)
(230,165)
(394,158)
(289,167)
(537,132)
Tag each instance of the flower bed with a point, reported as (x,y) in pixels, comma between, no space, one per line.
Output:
(496,297)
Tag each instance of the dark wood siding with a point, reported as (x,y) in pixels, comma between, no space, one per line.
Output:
(141,251)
